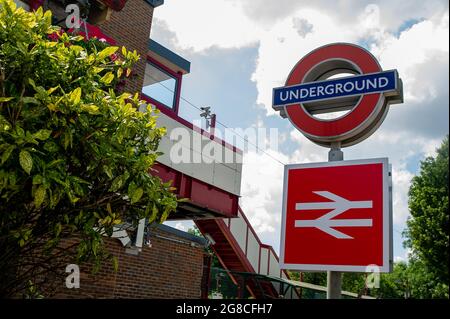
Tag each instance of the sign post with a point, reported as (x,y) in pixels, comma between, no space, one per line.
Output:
(337,215)
(334,278)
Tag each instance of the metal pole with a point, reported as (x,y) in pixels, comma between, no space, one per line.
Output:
(334,278)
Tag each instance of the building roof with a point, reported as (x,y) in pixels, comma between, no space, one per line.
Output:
(168,57)
(181,234)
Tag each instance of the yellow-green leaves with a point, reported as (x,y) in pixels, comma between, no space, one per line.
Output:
(39,196)
(119,182)
(51,90)
(108,171)
(71,142)
(154,214)
(37,179)
(119,72)
(97,69)
(107,78)
(7,153)
(106,52)
(164,216)
(115,262)
(136,195)
(76,48)
(90,108)
(116,184)
(68,139)
(42,134)
(26,161)
(75,96)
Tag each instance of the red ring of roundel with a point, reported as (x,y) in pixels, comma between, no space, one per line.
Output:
(309,125)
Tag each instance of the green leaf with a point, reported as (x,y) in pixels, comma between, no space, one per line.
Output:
(20,131)
(42,134)
(51,90)
(75,96)
(7,153)
(54,162)
(107,78)
(68,139)
(108,171)
(31,81)
(26,161)
(37,179)
(30,100)
(107,52)
(58,229)
(164,216)
(137,194)
(115,263)
(154,214)
(116,184)
(39,196)
(51,147)
(5,99)
(97,69)
(90,108)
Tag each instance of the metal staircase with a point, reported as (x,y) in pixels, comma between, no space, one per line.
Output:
(239,249)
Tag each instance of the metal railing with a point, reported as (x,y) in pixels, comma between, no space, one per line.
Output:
(262,257)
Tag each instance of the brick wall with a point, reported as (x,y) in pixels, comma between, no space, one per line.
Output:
(130,27)
(171,268)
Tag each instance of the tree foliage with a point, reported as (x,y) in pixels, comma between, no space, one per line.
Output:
(427,230)
(75,155)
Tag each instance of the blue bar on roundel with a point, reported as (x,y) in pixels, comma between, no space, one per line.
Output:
(381,82)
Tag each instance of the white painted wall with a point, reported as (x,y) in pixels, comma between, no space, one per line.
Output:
(219,173)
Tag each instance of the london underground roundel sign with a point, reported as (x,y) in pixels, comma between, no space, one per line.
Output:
(311,89)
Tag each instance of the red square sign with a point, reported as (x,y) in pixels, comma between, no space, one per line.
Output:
(337,216)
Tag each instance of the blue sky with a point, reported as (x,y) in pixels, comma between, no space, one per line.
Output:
(239,50)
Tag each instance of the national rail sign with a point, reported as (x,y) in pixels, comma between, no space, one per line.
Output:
(366,95)
(337,216)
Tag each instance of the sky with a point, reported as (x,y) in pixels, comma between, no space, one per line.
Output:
(240,49)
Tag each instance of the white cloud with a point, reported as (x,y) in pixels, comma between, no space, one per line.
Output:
(202,24)
(392,14)
(401,148)
(261,190)
(282,46)
(423,42)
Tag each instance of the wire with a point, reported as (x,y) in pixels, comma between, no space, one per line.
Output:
(217,121)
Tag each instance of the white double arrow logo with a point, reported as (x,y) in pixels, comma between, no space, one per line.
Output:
(338,205)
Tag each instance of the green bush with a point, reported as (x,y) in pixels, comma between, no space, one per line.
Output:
(75,155)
